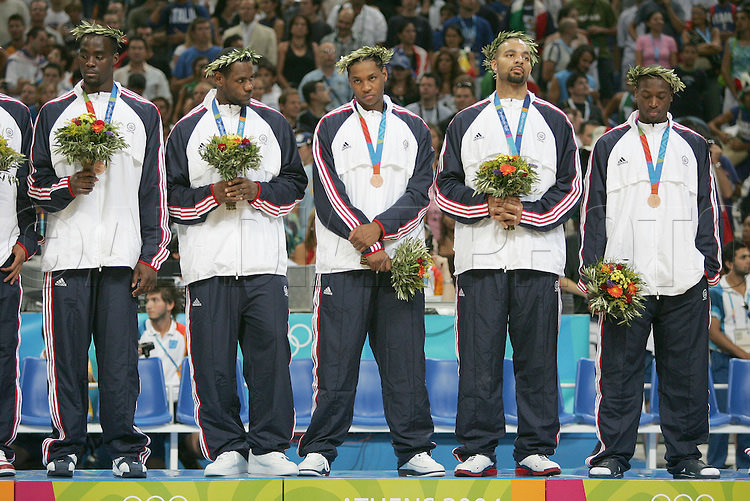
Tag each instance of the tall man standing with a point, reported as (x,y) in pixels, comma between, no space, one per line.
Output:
(659,214)
(19,242)
(107,236)
(516,271)
(234,262)
(370,194)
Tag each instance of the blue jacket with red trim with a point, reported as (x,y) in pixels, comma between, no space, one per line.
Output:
(124,219)
(345,197)
(249,240)
(19,228)
(673,245)
(476,135)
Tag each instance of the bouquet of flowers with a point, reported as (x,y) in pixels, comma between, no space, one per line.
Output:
(615,290)
(231,155)
(89,141)
(9,158)
(505,176)
(409,267)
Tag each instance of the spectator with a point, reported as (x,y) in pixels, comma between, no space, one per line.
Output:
(74,10)
(233,41)
(271,17)
(261,38)
(692,100)
(52,73)
(26,64)
(463,97)
(172,21)
(200,35)
(418,57)
(271,91)
(556,54)
(224,17)
(454,41)
(581,59)
(317,97)
(369,25)
(421,25)
(446,67)
(28,96)
(326,71)
(310,9)
(599,21)
(304,252)
(626,40)
(531,17)
(304,148)
(165,110)
(167,335)
(56,16)
(298,55)
(736,57)
(61,57)
(136,83)
(9,9)
(722,17)
(343,38)
(736,138)
(620,107)
(476,31)
(16,31)
(707,40)
(156,82)
(580,98)
(289,106)
(37,15)
(655,48)
(428,107)
(186,91)
(672,13)
(140,16)
(401,86)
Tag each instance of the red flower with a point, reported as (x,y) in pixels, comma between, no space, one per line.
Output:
(603,286)
(628,298)
(221,146)
(507,169)
(524,174)
(98,126)
(245,141)
(77,122)
(619,266)
(419,261)
(421,271)
(632,289)
(615,291)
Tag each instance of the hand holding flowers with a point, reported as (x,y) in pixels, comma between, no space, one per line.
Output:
(504,179)
(410,266)
(89,141)
(231,155)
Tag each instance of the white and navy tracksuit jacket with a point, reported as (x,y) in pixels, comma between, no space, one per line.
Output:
(344,200)
(235,264)
(515,271)
(17,226)
(92,245)
(676,247)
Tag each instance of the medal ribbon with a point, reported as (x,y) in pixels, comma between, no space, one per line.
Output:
(376,154)
(110,104)
(220,122)
(515,147)
(654,173)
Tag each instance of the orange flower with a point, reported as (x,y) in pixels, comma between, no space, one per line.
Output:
(632,289)
(422,271)
(615,291)
(507,169)
(98,126)
(237,140)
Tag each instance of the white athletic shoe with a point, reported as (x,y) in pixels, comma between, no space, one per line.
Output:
(6,467)
(275,464)
(314,465)
(128,468)
(421,465)
(228,463)
(477,465)
(62,467)
(537,465)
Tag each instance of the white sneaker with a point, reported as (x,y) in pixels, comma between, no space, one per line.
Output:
(421,465)
(477,465)
(128,468)
(537,465)
(228,463)
(6,467)
(62,467)
(314,465)
(275,464)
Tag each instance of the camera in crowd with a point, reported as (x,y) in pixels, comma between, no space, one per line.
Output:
(146,348)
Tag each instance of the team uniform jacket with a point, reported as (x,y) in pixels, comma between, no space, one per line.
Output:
(124,219)
(344,197)
(16,131)
(673,245)
(476,135)
(249,240)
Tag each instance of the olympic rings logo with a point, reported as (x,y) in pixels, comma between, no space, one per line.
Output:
(295,342)
(176,497)
(682,497)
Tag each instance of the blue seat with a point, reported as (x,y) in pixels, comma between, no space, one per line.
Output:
(564,417)
(738,397)
(368,402)
(152,407)
(510,407)
(715,418)
(442,387)
(300,370)
(185,405)
(35,403)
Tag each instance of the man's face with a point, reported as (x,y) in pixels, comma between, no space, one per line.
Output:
(463,97)
(156,307)
(16,29)
(96,60)
(265,75)
(321,94)
(409,5)
(580,87)
(202,33)
(28,94)
(247,11)
(292,106)
(163,106)
(512,61)
(146,33)
(38,11)
(368,83)
(428,89)
(653,97)
(344,23)
(327,54)
(584,63)
(689,54)
(137,51)
(741,262)
(587,136)
(40,44)
(237,85)
(259,88)
(306,8)
(51,75)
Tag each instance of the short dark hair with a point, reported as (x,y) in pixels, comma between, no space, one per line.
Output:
(230,40)
(138,39)
(16,17)
(573,78)
(137,81)
(267,65)
(34,32)
(730,249)
(309,88)
(435,77)
(55,67)
(289,91)
(169,294)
